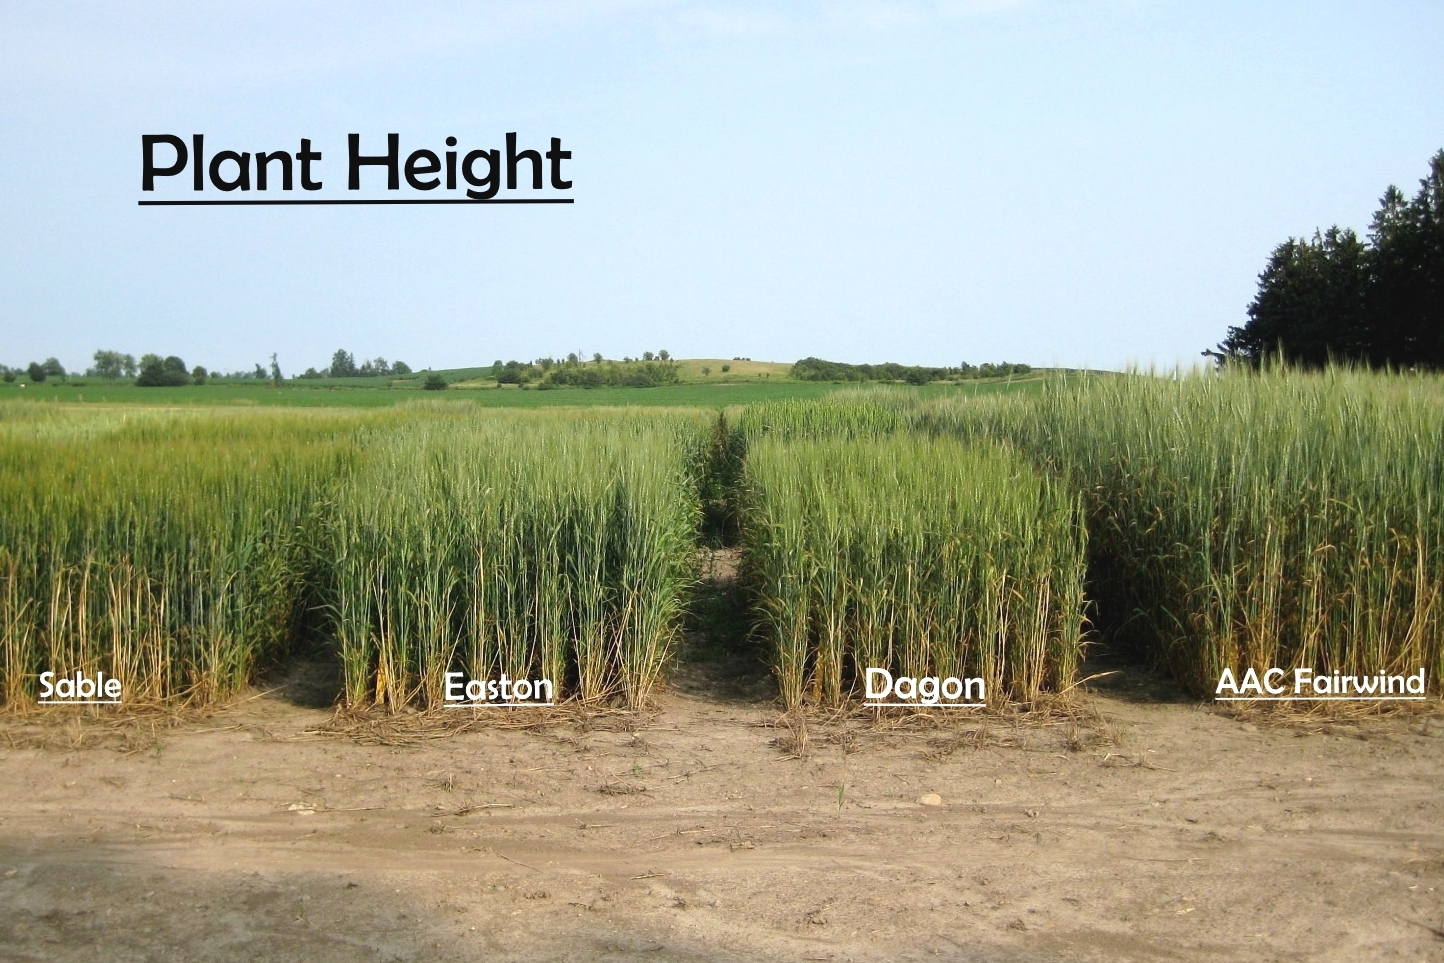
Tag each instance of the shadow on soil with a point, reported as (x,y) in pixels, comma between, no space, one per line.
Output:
(311,681)
(1117,676)
(719,658)
(120,903)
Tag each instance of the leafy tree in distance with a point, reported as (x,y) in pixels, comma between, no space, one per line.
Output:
(199,375)
(343,364)
(400,368)
(434,382)
(113,364)
(158,372)
(36,371)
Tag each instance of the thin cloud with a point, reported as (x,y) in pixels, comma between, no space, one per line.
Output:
(104,46)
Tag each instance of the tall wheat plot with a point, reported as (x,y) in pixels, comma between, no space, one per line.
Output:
(916,555)
(168,551)
(535,545)
(1251,520)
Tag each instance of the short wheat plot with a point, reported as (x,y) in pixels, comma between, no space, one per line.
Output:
(922,557)
(856,413)
(534,545)
(851,413)
(168,551)
(1249,520)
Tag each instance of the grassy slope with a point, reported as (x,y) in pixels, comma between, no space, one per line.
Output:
(691,370)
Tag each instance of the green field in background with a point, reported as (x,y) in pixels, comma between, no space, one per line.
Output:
(303,394)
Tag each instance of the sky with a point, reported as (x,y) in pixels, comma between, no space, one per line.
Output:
(1058,183)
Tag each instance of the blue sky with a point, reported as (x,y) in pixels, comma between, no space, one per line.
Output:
(1078,183)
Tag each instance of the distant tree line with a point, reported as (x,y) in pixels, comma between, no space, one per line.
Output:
(170,371)
(1378,302)
(816,369)
(343,365)
(154,370)
(150,370)
(36,371)
(651,370)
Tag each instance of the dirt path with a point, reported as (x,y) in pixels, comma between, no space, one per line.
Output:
(1167,833)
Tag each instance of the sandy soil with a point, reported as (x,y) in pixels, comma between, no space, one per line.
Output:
(1140,830)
